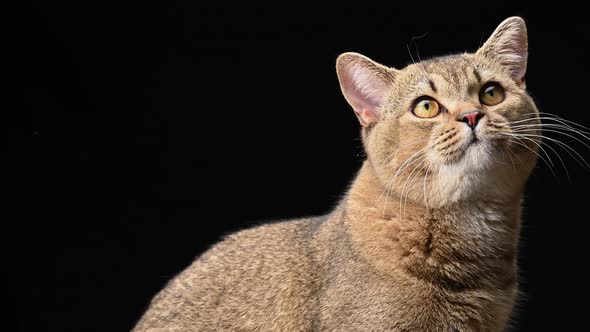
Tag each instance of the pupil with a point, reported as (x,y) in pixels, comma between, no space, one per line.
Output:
(491,92)
(427,106)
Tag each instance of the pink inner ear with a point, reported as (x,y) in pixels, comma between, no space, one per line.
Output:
(364,90)
(514,57)
(508,46)
(364,84)
(364,108)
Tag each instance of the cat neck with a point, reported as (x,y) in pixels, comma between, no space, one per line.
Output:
(413,238)
(367,191)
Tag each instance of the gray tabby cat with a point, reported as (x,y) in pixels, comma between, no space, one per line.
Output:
(425,239)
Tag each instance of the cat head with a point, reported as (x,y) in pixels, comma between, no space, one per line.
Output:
(440,130)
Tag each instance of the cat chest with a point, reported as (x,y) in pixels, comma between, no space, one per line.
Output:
(374,303)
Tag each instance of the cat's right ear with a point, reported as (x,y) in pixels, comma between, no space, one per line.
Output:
(364,84)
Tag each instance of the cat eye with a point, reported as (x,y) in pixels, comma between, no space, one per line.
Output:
(491,94)
(426,108)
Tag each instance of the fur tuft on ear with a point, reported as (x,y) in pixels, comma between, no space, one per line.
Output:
(508,46)
(364,84)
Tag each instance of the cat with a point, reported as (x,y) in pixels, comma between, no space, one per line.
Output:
(425,239)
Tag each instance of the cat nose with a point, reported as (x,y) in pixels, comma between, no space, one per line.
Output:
(470,117)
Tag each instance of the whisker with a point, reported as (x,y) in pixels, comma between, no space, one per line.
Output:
(392,182)
(390,156)
(553,123)
(552,127)
(568,135)
(549,128)
(567,123)
(555,116)
(539,144)
(563,146)
(410,53)
(422,71)
(518,141)
(516,135)
(403,201)
(503,156)
(512,160)
(521,162)
(389,185)
(430,164)
(550,163)
(402,166)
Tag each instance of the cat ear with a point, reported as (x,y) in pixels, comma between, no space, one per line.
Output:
(508,46)
(364,84)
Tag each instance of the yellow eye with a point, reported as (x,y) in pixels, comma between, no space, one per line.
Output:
(491,94)
(426,108)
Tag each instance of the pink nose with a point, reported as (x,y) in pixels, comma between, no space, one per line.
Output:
(471,118)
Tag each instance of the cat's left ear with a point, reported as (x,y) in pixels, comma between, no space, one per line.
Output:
(508,46)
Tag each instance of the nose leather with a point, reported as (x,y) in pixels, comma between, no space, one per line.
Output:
(471,118)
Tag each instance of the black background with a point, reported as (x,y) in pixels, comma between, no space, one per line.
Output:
(139,134)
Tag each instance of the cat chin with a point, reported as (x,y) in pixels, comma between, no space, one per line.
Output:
(477,156)
(469,177)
